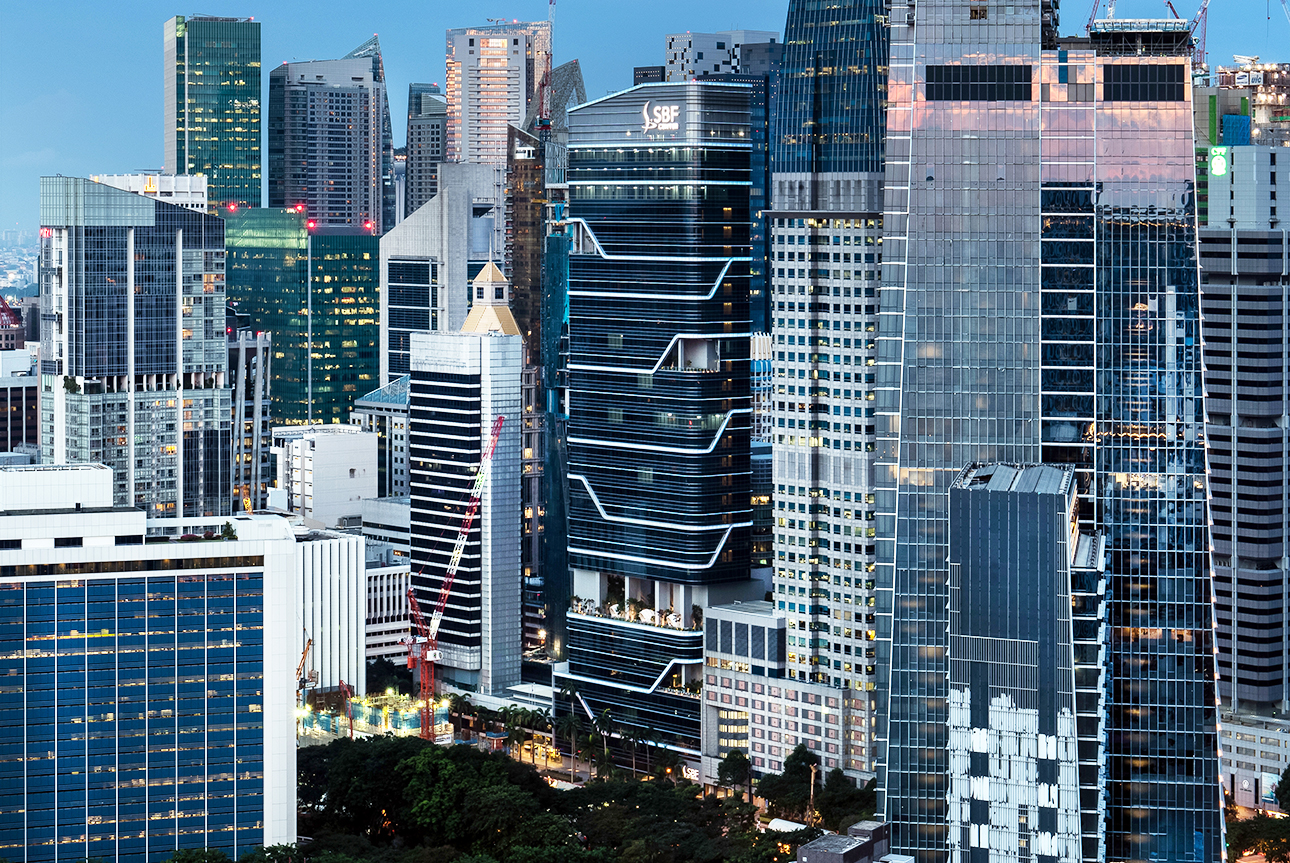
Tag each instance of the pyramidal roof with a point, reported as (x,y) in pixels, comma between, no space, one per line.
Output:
(488,314)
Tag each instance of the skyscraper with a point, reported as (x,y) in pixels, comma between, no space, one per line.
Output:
(149,687)
(133,351)
(826,230)
(493,74)
(331,142)
(212,105)
(1040,303)
(659,407)
(427,140)
(461,383)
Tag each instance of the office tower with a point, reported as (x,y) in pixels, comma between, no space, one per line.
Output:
(1243,321)
(387,624)
(1040,304)
(268,285)
(331,573)
(212,104)
(317,291)
(826,228)
(384,412)
(461,383)
(567,89)
(648,75)
(323,473)
(134,360)
(430,258)
(250,368)
(427,136)
(693,55)
(658,437)
(493,74)
(330,141)
(1019,568)
(163,720)
(759,69)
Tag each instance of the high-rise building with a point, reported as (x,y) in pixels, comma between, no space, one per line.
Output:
(250,368)
(268,285)
(212,105)
(693,55)
(331,146)
(1040,304)
(659,407)
(323,473)
(430,258)
(648,75)
(133,352)
(12,332)
(826,234)
(1020,572)
(318,292)
(427,138)
(493,74)
(461,383)
(149,695)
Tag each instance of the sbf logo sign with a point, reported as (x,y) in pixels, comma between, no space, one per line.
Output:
(663,118)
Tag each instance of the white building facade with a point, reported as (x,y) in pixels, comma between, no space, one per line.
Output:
(323,473)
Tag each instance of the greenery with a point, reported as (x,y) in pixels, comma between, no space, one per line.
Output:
(837,802)
(382,674)
(405,800)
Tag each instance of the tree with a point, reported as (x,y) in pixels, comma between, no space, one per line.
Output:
(541,724)
(382,674)
(789,793)
(199,855)
(840,801)
(1282,791)
(570,728)
(604,724)
(734,770)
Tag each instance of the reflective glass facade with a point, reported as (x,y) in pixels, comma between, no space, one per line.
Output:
(345,333)
(131,712)
(133,303)
(1039,302)
(212,96)
(267,272)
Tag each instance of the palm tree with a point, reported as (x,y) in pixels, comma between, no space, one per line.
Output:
(570,727)
(541,720)
(604,725)
(460,704)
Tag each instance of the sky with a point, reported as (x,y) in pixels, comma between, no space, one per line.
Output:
(84,93)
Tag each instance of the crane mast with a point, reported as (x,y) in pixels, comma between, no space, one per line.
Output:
(423,645)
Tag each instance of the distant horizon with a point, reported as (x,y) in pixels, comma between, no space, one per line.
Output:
(98,109)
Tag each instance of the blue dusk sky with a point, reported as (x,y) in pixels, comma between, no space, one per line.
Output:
(84,78)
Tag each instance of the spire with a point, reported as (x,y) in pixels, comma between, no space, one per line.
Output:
(489,311)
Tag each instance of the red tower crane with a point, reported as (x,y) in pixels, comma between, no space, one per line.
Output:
(423,644)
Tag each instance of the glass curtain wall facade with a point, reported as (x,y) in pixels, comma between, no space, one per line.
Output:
(826,231)
(1040,303)
(212,105)
(343,340)
(427,137)
(134,362)
(659,403)
(267,285)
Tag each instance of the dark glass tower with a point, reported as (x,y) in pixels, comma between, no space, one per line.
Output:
(659,403)
(212,104)
(1040,303)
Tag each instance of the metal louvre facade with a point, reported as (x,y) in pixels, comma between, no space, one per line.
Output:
(660,480)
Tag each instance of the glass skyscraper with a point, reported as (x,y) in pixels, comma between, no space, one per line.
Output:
(133,354)
(659,405)
(317,293)
(1039,303)
(212,104)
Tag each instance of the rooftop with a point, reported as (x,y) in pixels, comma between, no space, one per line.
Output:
(1034,478)
(393,393)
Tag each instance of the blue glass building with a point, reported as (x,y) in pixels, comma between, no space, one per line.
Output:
(146,703)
